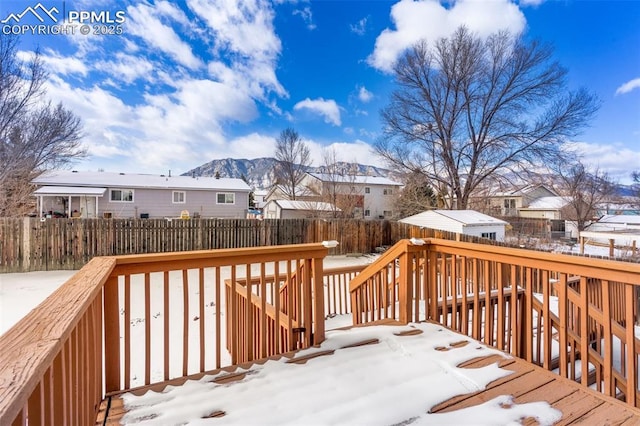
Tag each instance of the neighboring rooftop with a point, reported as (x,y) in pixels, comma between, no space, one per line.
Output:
(466,217)
(626,219)
(128,180)
(359,179)
(548,203)
(306,205)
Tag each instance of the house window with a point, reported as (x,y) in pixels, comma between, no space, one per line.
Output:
(121,195)
(179,197)
(367,213)
(387,191)
(489,235)
(225,198)
(367,190)
(387,213)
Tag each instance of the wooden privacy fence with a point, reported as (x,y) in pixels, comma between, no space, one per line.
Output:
(29,244)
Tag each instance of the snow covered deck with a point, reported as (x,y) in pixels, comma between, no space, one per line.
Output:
(378,374)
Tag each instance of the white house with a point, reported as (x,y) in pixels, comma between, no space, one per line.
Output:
(130,195)
(259,198)
(467,222)
(298,209)
(372,196)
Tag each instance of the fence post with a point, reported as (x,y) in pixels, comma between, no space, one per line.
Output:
(26,244)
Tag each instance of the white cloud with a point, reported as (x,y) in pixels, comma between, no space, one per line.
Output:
(327,108)
(127,68)
(531,2)
(360,27)
(615,159)
(144,21)
(428,19)
(243,26)
(180,105)
(243,29)
(253,145)
(307,17)
(59,64)
(357,151)
(364,95)
(628,86)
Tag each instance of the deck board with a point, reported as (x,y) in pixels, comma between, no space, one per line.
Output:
(527,383)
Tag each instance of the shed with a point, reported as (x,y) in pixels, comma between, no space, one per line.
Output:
(298,209)
(467,222)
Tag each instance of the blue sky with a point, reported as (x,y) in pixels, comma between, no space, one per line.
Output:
(191,81)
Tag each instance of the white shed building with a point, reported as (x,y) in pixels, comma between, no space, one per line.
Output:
(467,222)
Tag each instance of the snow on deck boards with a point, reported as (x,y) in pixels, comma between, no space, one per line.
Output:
(416,374)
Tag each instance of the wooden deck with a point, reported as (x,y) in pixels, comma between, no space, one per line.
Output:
(528,383)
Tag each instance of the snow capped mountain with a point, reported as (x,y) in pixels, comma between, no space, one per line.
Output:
(258,173)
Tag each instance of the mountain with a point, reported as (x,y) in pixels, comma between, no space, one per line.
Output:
(259,171)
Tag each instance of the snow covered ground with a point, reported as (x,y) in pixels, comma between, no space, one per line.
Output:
(20,293)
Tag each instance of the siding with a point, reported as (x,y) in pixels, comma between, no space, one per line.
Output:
(158,203)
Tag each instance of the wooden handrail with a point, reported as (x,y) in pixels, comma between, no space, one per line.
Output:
(28,350)
(387,257)
(579,265)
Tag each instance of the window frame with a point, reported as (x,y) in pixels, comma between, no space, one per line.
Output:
(122,192)
(184,197)
(233,195)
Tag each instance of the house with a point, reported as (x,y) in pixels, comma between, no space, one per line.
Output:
(259,198)
(359,196)
(298,209)
(130,195)
(467,222)
(508,202)
(547,208)
(559,212)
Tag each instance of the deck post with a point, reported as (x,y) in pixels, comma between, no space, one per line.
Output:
(318,301)
(405,289)
(111,335)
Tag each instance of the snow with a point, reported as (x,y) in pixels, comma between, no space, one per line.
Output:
(20,293)
(397,380)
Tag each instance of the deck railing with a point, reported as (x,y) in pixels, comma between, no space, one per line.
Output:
(566,313)
(129,321)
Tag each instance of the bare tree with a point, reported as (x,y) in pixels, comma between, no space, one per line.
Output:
(467,108)
(585,188)
(338,186)
(416,196)
(293,159)
(34,134)
(635,175)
